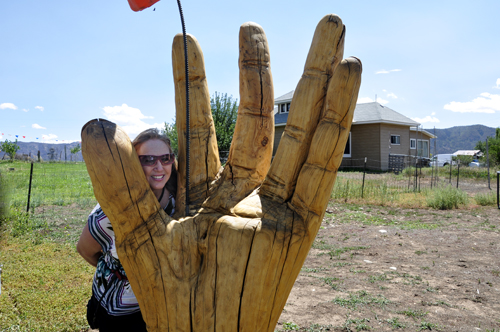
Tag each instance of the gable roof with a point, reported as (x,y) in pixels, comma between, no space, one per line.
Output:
(286,97)
(363,114)
(376,113)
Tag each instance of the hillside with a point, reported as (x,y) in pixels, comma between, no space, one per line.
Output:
(452,139)
(31,148)
(449,140)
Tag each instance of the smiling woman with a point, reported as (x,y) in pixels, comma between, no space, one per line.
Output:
(113,305)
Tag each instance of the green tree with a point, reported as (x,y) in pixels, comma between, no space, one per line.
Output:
(224,113)
(171,131)
(75,150)
(493,147)
(10,148)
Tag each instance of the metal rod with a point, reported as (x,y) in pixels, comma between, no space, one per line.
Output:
(29,190)
(363,186)
(498,183)
(188,133)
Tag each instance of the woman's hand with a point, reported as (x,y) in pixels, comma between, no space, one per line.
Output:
(231,265)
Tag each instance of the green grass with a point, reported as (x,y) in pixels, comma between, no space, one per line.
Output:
(398,190)
(359,324)
(319,328)
(428,326)
(413,313)
(45,287)
(330,281)
(290,326)
(45,283)
(489,199)
(360,298)
(447,198)
(395,323)
(374,220)
(52,184)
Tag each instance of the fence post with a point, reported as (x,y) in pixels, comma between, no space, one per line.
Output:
(450,168)
(416,173)
(498,182)
(363,185)
(29,190)
(458,171)
(38,154)
(432,175)
(488,163)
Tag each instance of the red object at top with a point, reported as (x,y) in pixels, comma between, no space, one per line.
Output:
(138,5)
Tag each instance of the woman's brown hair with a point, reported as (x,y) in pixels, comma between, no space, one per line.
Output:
(154,133)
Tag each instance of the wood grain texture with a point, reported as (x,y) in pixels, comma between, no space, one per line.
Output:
(204,154)
(252,146)
(232,265)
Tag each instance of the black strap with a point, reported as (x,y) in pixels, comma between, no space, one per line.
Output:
(161,196)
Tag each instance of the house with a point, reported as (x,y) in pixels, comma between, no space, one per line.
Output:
(386,138)
(475,154)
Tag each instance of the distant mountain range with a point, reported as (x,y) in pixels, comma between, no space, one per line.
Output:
(32,148)
(459,138)
(448,141)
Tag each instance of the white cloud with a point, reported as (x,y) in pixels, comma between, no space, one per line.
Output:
(382,101)
(428,118)
(487,103)
(383,71)
(498,84)
(392,95)
(25,110)
(365,100)
(41,108)
(50,138)
(129,118)
(8,105)
(37,126)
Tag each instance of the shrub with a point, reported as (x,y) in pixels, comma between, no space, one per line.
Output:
(447,198)
(486,199)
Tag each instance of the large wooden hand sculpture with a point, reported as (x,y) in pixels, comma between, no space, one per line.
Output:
(231,265)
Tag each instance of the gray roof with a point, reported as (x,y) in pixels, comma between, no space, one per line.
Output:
(286,97)
(363,114)
(376,113)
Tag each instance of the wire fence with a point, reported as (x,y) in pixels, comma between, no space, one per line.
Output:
(34,185)
(62,184)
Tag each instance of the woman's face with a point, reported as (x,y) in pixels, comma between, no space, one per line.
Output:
(158,174)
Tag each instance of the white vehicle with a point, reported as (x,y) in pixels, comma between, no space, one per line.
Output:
(442,160)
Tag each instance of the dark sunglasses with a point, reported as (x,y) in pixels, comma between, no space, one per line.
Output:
(165,159)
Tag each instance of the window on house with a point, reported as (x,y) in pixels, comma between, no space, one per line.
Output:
(423,148)
(285,108)
(395,139)
(413,143)
(347,150)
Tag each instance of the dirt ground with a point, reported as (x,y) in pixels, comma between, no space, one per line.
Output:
(384,269)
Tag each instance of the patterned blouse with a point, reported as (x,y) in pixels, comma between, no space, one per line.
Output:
(110,285)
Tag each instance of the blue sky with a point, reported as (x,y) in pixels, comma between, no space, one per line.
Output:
(63,63)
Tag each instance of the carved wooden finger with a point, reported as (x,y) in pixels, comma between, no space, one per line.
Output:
(125,196)
(204,161)
(317,176)
(324,55)
(252,145)
(120,185)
